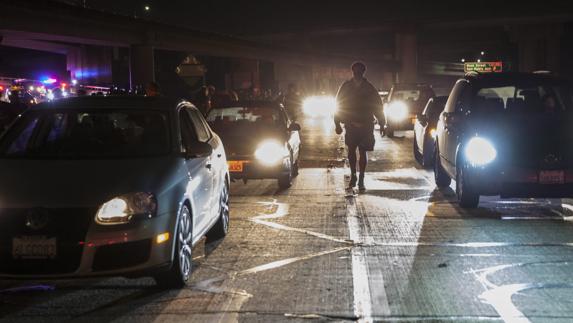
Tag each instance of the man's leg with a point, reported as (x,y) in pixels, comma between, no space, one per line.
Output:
(362,164)
(352,164)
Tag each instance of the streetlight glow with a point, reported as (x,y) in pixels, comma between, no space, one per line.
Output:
(147,8)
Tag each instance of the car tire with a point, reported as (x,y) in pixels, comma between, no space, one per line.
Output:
(389,132)
(285,180)
(442,179)
(428,155)
(221,228)
(178,275)
(295,167)
(467,197)
(417,155)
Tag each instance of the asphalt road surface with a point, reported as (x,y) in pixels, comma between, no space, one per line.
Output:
(401,251)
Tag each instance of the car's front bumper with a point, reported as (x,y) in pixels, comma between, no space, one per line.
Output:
(253,169)
(404,124)
(517,183)
(122,250)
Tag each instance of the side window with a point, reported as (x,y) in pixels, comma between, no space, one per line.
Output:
(188,135)
(203,134)
(284,119)
(22,142)
(454,101)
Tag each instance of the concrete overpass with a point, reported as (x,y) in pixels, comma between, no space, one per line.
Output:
(89,37)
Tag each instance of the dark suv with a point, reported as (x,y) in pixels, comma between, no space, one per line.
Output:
(506,134)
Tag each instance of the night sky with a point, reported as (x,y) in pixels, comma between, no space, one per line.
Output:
(261,17)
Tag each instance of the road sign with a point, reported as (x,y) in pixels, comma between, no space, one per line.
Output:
(483,67)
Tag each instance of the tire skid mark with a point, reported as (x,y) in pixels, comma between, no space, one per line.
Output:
(281,211)
(500,296)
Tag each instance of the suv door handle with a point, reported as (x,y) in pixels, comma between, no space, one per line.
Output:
(209,166)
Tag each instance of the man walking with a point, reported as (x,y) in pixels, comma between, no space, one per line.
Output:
(358,105)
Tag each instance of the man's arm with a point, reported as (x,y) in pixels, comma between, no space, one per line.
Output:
(378,109)
(340,99)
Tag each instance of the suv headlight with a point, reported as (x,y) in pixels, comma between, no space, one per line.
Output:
(480,152)
(123,208)
(270,153)
(397,111)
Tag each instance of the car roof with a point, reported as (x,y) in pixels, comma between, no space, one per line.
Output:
(488,79)
(111,102)
(250,104)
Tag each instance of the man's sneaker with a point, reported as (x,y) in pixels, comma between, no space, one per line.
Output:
(352,181)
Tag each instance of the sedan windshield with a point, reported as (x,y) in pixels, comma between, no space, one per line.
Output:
(69,134)
(244,118)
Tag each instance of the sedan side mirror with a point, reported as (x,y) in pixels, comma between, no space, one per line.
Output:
(294,127)
(199,150)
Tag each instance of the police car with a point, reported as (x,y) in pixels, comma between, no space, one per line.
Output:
(506,134)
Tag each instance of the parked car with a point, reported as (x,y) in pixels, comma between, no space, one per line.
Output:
(425,130)
(405,101)
(110,186)
(261,140)
(506,134)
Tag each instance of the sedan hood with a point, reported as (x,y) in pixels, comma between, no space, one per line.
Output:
(78,183)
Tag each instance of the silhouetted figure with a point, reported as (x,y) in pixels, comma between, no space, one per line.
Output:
(358,105)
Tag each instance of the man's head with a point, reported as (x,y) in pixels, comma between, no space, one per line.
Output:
(358,69)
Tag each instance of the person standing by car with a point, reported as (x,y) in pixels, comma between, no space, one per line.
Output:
(358,104)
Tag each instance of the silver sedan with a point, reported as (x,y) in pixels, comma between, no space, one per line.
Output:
(102,186)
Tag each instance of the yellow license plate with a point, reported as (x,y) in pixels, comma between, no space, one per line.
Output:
(235,166)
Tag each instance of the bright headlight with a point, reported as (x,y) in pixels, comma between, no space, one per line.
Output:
(271,153)
(433,133)
(122,209)
(480,152)
(397,111)
(319,106)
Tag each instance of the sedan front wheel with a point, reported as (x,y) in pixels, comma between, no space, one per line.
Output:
(178,275)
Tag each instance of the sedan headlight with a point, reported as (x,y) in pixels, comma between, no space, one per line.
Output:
(319,106)
(270,153)
(397,111)
(122,209)
(480,152)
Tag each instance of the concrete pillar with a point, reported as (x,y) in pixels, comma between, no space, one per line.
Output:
(539,47)
(406,46)
(90,64)
(141,65)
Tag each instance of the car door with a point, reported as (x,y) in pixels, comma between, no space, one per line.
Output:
(293,136)
(218,161)
(420,126)
(201,182)
(452,120)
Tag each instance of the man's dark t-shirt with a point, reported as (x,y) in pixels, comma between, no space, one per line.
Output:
(358,104)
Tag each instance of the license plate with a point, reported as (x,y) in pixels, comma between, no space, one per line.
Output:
(551,177)
(235,166)
(35,247)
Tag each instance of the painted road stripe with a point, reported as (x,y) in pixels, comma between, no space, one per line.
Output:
(363,295)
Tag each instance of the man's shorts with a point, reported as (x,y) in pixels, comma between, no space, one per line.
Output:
(361,137)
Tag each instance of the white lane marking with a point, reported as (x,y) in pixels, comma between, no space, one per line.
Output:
(282,210)
(363,295)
